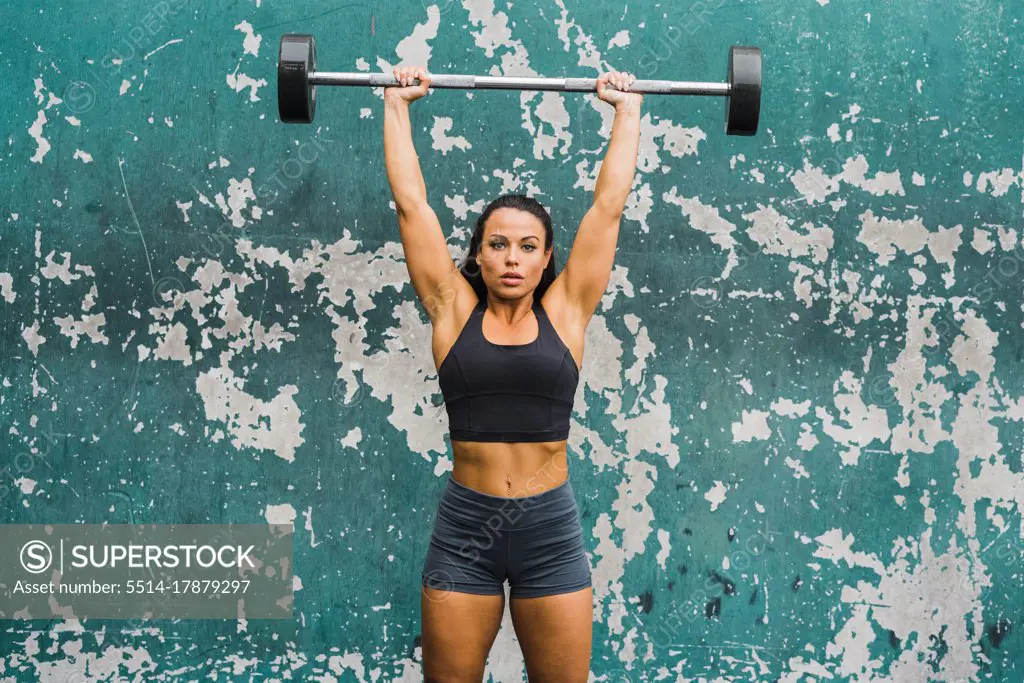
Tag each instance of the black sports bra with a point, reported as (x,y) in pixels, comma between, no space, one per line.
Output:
(508,392)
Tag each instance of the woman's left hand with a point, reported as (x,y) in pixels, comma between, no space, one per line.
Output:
(620,80)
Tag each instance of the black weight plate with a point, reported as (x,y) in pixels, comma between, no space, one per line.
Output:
(743,109)
(296,60)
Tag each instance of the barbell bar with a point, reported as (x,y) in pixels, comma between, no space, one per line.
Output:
(298,80)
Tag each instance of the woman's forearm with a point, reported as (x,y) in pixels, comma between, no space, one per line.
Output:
(619,166)
(400,159)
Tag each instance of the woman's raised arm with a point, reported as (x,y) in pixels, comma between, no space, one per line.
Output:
(426,253)
(589,266)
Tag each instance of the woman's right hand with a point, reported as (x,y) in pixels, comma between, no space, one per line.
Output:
(406,75)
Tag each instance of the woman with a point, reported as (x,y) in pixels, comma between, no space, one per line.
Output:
(507,338)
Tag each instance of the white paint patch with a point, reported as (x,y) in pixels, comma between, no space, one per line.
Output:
(1007,238)
(620,39)
(240,192)
(171,345)
(184,206)
(753,424)
(884,236)
(982,241)
(865,423)
(38,91)
(62,271)
(902,601)
(414,49)
(239,82)
(461,208)
(918,179)
(84,156)
(125,85)
(89,326)
(32,337)
(90,299)
(775,235)
(7,287)
(42,144)
(815,185)
(799,471)
(665,549)
(852,113)
(587,52)
(308,514)
(633,517)
(254,423)
(406,346)
(679,141)
(855,173)
(442,141)
(52,100)
(365,113)
(279,514)
(997,183)
(251,44)
(514,182)
(786,408)
(716,495)
(348,662)
(706,219)
(353,438)
(493,33)
(639,204)
(836,547)
(552,116)
(807,440)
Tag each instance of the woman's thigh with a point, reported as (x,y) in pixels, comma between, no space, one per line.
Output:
(555,633)
(458,631)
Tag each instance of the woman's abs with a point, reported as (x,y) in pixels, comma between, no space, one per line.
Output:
(511,470)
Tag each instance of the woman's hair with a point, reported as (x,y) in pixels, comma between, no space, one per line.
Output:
(469,267)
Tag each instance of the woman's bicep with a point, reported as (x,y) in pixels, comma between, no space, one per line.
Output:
(427,257)
(588,269)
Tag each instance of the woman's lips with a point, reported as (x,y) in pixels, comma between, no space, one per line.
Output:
(511,280)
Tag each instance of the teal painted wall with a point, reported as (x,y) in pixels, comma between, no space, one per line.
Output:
(797,446)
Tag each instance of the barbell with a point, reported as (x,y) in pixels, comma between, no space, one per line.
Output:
(297,81)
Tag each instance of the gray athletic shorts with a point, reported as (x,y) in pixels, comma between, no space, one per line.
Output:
(480,540)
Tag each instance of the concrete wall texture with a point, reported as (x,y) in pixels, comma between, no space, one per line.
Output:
(797,441)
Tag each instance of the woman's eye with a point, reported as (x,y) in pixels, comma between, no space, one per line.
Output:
(528,246)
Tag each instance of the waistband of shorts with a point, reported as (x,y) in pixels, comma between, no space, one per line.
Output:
(559,492)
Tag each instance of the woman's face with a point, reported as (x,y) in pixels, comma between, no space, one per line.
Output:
(513,242)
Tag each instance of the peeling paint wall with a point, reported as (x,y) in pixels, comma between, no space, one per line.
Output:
(798,435)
